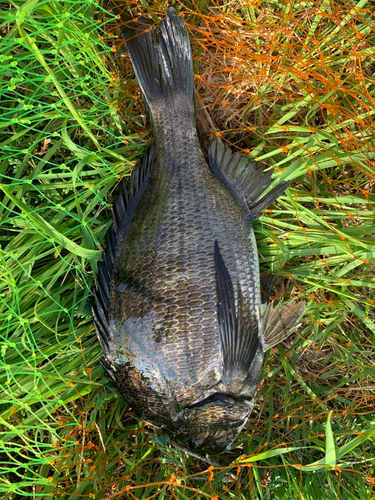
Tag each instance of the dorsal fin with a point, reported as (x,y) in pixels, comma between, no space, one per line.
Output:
(246,183)
(238,344)
(122,212)
(126,201)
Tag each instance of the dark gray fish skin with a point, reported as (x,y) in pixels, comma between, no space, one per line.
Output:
(179,313)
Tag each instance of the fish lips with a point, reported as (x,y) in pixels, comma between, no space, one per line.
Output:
(213,423)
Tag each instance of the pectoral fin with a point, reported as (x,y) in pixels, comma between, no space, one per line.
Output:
(280,321)
(246,183)
(239,344)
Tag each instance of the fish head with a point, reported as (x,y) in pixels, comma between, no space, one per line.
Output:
(213,424)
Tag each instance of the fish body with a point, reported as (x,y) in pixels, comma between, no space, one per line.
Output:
(179,311)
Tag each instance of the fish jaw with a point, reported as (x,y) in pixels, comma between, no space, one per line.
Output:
(211,421)
(214,424)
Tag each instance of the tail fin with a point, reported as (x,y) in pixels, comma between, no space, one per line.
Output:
(161,57)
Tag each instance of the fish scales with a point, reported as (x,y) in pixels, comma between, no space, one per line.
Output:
(180,318)
(169,254)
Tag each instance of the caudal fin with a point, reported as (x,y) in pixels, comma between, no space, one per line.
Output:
(161,58)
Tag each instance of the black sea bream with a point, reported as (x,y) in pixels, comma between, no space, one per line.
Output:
(179,311)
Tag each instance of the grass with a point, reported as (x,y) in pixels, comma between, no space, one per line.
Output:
(290,83)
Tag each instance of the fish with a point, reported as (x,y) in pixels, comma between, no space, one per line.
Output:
(181,312)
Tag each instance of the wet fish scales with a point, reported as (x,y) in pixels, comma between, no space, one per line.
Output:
(179,312)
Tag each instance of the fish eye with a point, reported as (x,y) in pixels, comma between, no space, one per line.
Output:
(199,443)
(200,446)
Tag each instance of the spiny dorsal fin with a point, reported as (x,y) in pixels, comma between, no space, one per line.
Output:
(122,211)
(238,344)
(280,321)
(246,183)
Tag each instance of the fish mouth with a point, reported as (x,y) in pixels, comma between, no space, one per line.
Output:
(220,398)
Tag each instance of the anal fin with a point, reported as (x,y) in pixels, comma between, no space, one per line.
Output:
(247,183)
